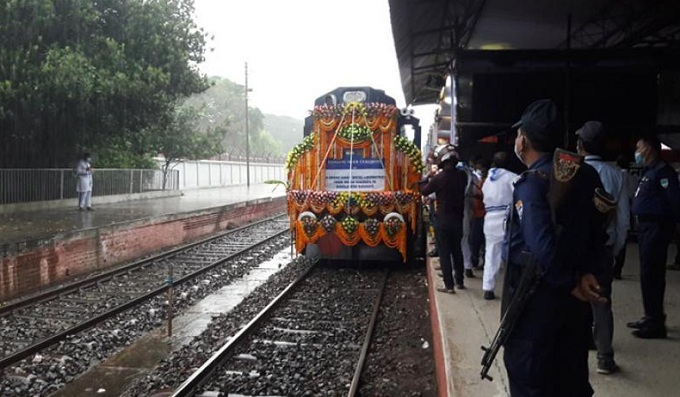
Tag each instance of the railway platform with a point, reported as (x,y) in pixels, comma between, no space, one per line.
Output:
(41,247)
(465,322)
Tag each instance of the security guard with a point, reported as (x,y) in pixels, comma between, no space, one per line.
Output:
(656,207)
(547,352)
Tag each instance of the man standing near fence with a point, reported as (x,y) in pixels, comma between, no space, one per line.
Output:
(84,186)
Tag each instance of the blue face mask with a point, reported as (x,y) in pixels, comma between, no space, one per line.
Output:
(639,158)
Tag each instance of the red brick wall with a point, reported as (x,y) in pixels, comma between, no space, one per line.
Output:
(100,248)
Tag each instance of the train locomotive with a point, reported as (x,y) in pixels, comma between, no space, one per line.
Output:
(353,180)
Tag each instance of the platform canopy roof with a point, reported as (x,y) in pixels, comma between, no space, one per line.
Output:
(429,33)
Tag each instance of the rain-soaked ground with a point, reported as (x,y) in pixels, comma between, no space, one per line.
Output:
(46,223)
(113,376)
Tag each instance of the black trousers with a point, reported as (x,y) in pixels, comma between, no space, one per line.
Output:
(653,240)
(449,233)
(546,354)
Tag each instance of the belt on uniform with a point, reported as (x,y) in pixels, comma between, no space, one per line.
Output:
(650,218)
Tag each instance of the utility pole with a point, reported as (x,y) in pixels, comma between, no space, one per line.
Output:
(247,133)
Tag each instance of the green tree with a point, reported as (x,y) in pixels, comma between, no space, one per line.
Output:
(81,75)
(179,139)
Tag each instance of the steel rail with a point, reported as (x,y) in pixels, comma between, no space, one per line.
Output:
(202,374)
(354,386)
(41,297)
(46,342)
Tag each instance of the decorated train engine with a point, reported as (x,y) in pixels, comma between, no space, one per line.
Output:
(353,181)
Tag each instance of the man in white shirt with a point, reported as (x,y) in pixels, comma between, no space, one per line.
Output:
(591,139)
(497,192)
(84,186)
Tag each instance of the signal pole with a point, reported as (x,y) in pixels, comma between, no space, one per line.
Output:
(247,137)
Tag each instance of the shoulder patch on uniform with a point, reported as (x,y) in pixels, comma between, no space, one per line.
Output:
(519,206)
(566,165)
(664,183)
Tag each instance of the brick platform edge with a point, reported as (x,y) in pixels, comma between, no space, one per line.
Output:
(55,259)
(437,342)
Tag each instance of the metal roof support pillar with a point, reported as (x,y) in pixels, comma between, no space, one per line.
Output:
(454,103)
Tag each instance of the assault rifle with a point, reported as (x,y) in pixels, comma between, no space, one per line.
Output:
(531,277)
(564,168)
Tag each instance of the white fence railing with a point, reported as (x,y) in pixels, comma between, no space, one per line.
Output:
(30,185)
(209,173)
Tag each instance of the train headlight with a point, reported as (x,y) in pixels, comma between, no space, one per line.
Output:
(306,214)
(354,96)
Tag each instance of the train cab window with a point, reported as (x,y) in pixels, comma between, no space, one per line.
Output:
(330,100)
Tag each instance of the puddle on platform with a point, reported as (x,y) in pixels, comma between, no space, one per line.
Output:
(196,318)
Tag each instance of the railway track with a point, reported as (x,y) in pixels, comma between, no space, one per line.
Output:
(31,325)
(312,339)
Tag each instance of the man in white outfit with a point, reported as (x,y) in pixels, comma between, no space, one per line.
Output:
(497,191)
(84,186)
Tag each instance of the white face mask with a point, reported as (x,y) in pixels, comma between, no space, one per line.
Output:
(517,152)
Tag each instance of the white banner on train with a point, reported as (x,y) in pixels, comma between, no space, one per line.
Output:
(366,175)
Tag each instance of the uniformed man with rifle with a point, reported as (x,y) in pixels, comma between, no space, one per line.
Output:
(554,235)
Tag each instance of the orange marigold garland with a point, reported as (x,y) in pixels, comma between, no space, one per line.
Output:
(350,231)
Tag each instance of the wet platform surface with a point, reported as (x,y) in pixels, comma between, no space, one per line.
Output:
(648,367)
(29,225)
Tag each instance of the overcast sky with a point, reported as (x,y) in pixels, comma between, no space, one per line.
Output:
(298,50)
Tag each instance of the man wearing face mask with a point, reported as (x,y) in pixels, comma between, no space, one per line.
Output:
(591,141)
(84,186)
(656,208)
(546,353)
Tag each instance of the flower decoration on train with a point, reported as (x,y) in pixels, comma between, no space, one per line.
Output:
(367,203)
(393,224)
(371,110)
(405,146)
(355,132)
(372,227)
(328,223)
(355,109)
(309,223)
(303,147)
(350,224)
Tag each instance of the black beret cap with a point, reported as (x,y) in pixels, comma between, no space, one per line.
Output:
(592,131)
(540,122)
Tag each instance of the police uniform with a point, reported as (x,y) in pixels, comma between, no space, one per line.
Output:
(547,352)
(656,207)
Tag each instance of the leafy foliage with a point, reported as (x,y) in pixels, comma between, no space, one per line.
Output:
(178,139)
(79,75)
